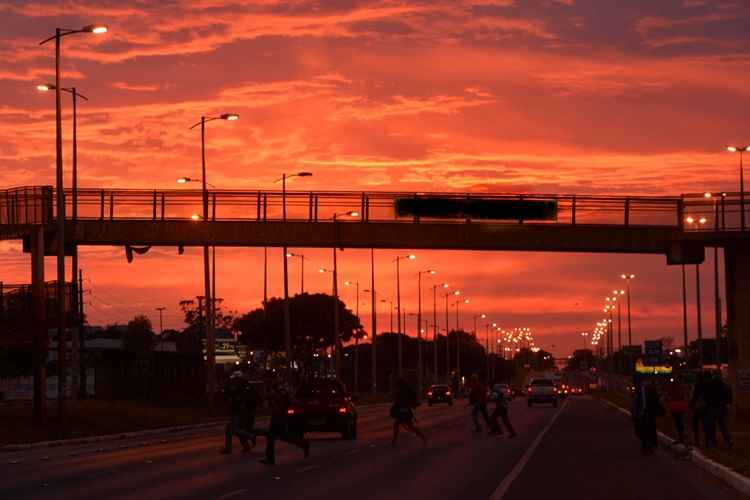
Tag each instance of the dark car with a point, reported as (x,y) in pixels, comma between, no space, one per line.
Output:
(323,406)
(439,393)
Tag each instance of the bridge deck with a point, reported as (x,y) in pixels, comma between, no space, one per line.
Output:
(614,224)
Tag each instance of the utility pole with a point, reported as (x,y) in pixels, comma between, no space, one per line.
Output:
(373,305)
(161,323)
(684,315)
(698,313)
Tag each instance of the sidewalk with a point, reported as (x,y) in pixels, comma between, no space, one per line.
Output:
(591,452)
(736,459)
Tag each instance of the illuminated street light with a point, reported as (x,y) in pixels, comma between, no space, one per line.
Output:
(740,150)
(60,219)
(399,341)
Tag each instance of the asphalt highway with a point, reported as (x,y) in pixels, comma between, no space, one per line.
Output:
(582,450)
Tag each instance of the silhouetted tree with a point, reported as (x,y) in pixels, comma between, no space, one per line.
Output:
(311,318)
(194,314)
(583,359)
(139,336)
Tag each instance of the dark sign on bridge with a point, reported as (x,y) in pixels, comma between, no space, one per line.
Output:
(477,208)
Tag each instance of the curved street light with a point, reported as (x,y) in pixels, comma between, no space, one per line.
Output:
(60,201)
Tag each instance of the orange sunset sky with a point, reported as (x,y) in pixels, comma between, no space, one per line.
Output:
(545,96)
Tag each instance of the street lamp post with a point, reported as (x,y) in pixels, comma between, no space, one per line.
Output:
(740,150)
(619,293)
(698,222)
(287,306)
(397,260)
(458,339)
(435,326)
(210,334)
(447,335)
(76,332)
(356,339)
(59,187)
(698,313)
(628,277)
(336,329)
(684,313)
(419,329)
(301,257)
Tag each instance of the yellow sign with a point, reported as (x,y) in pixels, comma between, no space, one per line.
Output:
(652,370)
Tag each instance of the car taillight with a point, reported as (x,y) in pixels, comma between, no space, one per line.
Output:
(429,393)
(528,389)
(342,410)
(290,411)
(447,393)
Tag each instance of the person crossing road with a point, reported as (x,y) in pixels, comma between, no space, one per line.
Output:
(500,411)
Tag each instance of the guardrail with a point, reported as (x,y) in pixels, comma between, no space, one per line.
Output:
(35,205)
(26,206)
(321,206)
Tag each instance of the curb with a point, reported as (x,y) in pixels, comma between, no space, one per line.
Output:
(734,479)
(107,437)
(127,435)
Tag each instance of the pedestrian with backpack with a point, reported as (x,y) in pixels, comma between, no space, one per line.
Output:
(501,411)
(402,411)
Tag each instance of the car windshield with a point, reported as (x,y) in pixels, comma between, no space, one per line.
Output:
(542,383)
(322,388)
(439,387)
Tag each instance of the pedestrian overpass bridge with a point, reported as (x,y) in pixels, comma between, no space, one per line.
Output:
(679,227)
(583,223)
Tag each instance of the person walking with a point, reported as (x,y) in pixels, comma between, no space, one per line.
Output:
(677,402)
(279,428)
(718,396)
(698,406)
(402,411)
(478,402)
(647,407)
(235,393)
(501,411)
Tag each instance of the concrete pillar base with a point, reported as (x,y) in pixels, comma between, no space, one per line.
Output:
(737,277)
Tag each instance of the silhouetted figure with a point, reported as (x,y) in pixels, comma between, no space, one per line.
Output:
(501,411)
(280,399)
(236,393)
(698,406)
(478,401)
(647,407)
(676,398)
(402,411)
(718,396)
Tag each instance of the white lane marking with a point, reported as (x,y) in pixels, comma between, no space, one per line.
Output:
(231,494)
(503,487)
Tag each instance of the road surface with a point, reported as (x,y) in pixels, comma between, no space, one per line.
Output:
(582,450)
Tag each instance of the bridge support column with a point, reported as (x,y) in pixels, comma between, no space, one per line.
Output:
(41,340)
(737,276)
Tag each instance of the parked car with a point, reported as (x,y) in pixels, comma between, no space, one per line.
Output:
(324,406)
(439,393)
(542,390)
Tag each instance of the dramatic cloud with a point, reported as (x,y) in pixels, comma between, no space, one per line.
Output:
(546,96)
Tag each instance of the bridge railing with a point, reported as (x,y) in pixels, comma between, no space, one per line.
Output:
(321,206)
(716,212)
(24,206)
(35,205)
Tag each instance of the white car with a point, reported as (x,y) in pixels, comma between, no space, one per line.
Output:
(542,390)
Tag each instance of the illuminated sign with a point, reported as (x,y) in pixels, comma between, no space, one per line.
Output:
(652,369)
